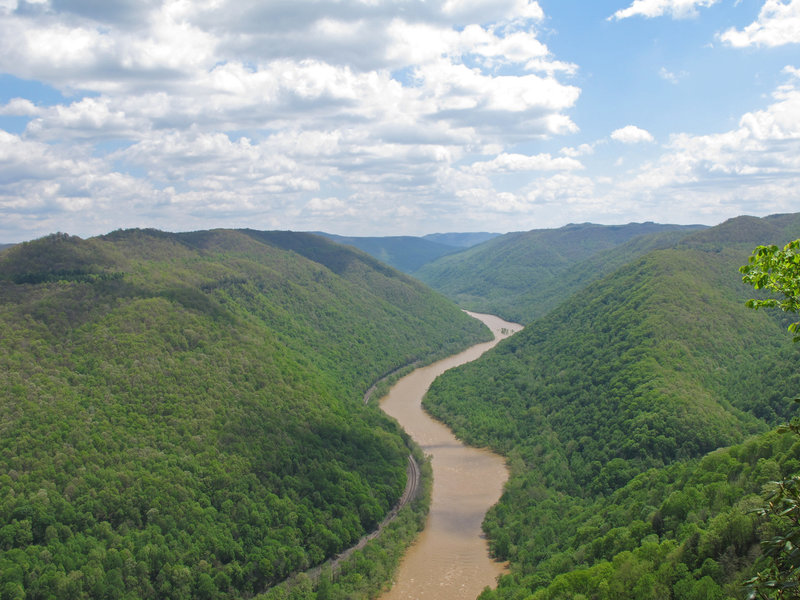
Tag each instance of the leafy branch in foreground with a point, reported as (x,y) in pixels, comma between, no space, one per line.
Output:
(778,270)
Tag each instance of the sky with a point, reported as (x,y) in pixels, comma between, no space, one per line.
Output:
(402,117)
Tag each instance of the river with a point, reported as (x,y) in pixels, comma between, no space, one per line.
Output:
(450,559)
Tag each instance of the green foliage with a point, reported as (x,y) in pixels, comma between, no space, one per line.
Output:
(781,575)
(776,270)
(522,276)
(366,572)
(604,408)
(182,413)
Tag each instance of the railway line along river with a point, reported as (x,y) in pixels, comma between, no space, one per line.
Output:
(450,559)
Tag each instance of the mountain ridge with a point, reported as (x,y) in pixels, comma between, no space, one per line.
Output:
(523,275)
(184,414)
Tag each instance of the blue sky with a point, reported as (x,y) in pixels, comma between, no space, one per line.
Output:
(367,117)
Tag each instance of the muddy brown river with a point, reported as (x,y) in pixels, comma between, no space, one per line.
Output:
(450,559)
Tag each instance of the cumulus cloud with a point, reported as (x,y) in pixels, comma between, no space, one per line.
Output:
(52,184)
(754,167)
(19,107)
(299,113)
(678,9)
(631,134)
(510,163)
(581,150)
(778,24)
(248,107)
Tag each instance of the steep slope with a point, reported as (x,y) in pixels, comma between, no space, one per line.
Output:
(405,253)
(522,276)
(686,531)
(653,365)
(461,240)
(181,413)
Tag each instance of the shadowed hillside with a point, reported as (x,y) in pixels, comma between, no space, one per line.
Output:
(182,413)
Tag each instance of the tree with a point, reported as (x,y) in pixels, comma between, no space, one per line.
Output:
(778,270)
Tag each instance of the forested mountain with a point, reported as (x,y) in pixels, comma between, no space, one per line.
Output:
(181,414)
(604,407)
(406,253)
(5,246)
(409,253)
(461,240)
(522,276)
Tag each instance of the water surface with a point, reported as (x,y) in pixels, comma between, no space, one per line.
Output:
(450,559)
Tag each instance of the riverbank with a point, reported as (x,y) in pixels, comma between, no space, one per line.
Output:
(450,559)
(362,569)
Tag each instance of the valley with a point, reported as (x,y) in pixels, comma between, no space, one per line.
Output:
(450,559)
(197,415)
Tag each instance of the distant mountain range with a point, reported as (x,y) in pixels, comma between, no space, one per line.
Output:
(522,276)
(409,253)
(461,240)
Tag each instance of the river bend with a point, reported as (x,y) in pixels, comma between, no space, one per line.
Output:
(450,559)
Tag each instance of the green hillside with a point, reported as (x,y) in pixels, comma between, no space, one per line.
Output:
(405,253)
(461,240)
(522,276)
(652,366)
(182,414)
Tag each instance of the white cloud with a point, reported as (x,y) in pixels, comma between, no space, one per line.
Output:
(678,9)
(668,75)
(631,134)
(581,150)
(482,11)
(329,207)
(519,106)
(19,107)
(752,168)
(50,183)
(510,163)
(88,118)
(778,24)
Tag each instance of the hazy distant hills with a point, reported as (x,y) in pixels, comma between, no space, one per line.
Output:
(654,364)
(523,275)
(182,414)
(461,240)
(409,253)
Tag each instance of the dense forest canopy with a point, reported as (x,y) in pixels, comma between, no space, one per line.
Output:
(182,414)
(604,409)
(522,276)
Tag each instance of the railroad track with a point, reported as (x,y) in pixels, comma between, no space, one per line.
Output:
(413,478)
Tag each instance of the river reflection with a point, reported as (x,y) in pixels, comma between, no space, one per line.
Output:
(450,559)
